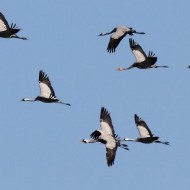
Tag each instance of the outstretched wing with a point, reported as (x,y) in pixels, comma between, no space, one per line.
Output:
(46,90)
(137,51)
(142,127)
(117,35)
(95,135)
(110,155)
(106,122)
(3,23)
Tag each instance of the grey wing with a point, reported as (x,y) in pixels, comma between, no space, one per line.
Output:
(3,23)
(106,122)
(116,37)
(137,50)
(113,43)
(110,155)
(46,90)
(142,127)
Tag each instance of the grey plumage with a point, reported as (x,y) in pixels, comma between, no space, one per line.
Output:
(117,34)
(106,136)
(47,94)
(145,133)
(142,60)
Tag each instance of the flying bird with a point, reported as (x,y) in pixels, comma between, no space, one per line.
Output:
(47,93)
(117,34)
(146,135)
(106,136)
(142,60)
(7,31)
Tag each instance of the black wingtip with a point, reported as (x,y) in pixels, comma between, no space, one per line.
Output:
(110,164)
(104,111)
(131,42)
(136,117)
(111,50)
(95,135)
(43,75)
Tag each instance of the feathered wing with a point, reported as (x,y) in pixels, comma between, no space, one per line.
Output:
(137,50)
(151,59)
(46,90)
(110,155)
(106,122)
(106,136)
(117,35)
(3,23)
(142,127)
(113,43)
(108,129)
(95,135)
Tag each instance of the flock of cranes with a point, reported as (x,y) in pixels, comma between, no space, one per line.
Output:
(111,140)
(142,60)
(106,135)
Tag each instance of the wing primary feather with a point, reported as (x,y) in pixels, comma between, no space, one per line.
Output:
(110,155)
(2,17)
(105,117)
(142,127)
(44,79)
(95,135)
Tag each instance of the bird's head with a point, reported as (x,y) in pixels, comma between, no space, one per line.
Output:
(83,141)
(120,69)
(101,34)
(27,99)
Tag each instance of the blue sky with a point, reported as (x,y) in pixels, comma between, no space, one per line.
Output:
(40,144)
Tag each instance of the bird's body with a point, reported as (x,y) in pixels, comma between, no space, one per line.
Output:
(106,136)
(47,94)
(146,135)
(142,60)
(7,31)
(117,34)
